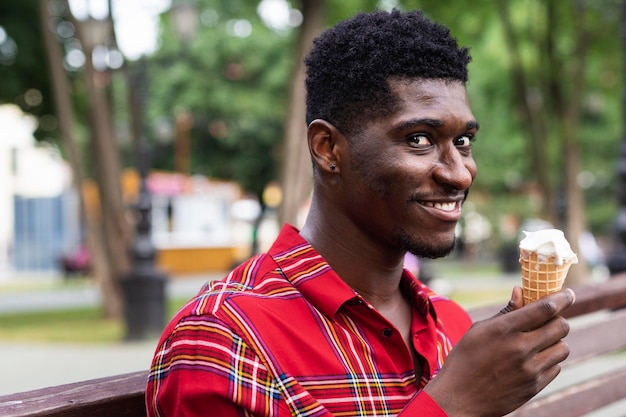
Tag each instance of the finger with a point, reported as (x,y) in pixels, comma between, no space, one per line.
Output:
(515,302)
(547,362)
(550,334)
(547,376)
(539,312)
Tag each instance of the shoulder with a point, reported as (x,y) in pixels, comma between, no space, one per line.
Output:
(254,287)
(257,277)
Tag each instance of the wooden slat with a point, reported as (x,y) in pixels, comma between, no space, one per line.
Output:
(592,297)
(117,396)
(598,337)
(597,296)
(578,400)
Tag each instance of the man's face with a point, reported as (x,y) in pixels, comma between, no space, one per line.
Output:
(411,171)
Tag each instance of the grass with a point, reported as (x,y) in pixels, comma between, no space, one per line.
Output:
(85,325)
(77,326)
(469,299)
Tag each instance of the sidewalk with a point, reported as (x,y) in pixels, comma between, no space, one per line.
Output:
(28,366)
(88,295)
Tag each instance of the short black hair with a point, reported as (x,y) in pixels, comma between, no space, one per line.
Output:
(349,66)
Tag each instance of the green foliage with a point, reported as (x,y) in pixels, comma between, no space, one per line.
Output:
(237,88)
(23,65)
(502,152)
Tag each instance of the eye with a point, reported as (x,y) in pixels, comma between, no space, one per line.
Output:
(464,141)
(419,141)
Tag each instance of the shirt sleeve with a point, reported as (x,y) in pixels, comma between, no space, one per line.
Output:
(204,368)
(422,405)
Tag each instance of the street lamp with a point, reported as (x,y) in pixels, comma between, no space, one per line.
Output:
(144,286)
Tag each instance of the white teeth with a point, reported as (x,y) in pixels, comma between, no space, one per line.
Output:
(450,206)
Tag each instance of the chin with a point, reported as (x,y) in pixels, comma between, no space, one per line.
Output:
(427,248)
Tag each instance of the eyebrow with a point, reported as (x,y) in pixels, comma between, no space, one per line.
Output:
(409,124)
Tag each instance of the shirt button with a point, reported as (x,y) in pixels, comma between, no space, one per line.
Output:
(387,332)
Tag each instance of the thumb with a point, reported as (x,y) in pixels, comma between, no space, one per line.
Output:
(515,302)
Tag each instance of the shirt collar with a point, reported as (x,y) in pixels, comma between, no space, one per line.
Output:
(309,272)
(305,268)
(418,292)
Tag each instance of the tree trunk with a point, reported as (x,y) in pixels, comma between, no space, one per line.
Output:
(297,174)
(62,92)
(570,122)
(561,104)
(115,229)
(531,111)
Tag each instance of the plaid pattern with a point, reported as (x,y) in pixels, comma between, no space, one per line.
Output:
(283,335)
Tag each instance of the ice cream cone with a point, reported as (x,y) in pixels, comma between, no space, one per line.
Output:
(541,275)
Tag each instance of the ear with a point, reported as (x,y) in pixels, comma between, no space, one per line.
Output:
(326,144)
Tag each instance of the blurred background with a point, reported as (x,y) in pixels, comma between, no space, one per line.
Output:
(149,145)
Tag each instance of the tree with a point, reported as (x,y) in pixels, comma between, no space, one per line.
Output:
(297,172)
(234,79)
(115,231)
(553,113)
(108,231)
(61,92)
(544,86)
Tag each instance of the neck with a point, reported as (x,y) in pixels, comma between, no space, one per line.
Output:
(371,269)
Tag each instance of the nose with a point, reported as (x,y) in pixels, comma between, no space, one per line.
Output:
(454,169)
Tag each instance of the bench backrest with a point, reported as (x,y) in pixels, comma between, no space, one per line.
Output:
(116,396)
(123,395)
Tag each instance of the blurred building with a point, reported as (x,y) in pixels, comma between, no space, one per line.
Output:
(38,209)
(195,228)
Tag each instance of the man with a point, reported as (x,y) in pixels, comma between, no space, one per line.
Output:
(328,322)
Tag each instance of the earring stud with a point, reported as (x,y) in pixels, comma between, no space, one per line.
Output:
(333,167)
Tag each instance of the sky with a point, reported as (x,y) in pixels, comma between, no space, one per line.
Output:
(136,21)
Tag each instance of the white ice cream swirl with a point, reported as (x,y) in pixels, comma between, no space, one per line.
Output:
(549,243)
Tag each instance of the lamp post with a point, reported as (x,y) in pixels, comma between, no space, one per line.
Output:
(144,286)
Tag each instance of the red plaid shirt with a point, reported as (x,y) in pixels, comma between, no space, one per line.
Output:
(283,335)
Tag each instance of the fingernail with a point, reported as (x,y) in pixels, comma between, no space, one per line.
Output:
(573,295)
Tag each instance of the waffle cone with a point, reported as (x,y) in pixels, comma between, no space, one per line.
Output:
(540,277)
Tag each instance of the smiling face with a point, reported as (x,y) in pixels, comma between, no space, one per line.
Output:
(410,172)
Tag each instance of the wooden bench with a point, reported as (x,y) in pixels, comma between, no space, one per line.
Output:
(598,329)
